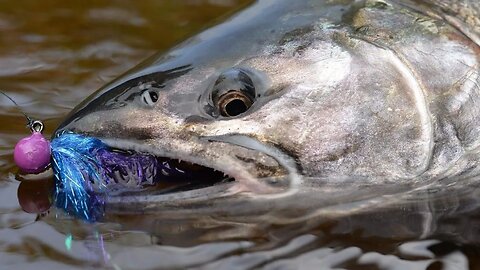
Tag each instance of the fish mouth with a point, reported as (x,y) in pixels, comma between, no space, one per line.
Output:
(128,172)
(92,173)
(159,171)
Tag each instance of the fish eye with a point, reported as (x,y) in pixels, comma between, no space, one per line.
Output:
(233,93)
(150,97)
(233,103)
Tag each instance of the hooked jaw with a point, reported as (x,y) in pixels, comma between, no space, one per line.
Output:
(199,168)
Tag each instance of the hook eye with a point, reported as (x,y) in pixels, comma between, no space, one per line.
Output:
(36,126)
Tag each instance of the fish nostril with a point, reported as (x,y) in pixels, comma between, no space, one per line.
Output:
(153,96)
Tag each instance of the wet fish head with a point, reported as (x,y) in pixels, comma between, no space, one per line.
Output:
(272,99)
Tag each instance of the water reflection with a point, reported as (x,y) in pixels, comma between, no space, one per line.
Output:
(438,233)
(35,196)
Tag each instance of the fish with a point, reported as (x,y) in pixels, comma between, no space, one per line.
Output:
(294,109)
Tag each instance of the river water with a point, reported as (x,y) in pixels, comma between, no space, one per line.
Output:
(55,53)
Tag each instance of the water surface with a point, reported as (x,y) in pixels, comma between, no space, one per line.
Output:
(55,53)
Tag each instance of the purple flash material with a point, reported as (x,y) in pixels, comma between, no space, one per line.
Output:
(86,170)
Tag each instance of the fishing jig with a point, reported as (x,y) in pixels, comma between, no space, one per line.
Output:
(84,167)
(73,159)
(31,154)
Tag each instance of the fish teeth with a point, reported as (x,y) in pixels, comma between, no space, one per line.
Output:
(166,165)
(117,177)
(129,176)
(154,172)
(149,175)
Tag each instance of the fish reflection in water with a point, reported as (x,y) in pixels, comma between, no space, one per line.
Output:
(432,229)
(383,177)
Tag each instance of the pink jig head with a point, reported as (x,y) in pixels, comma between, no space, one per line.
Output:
(32,154)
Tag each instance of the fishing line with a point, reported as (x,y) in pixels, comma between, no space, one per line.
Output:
(34,125)
(32,153)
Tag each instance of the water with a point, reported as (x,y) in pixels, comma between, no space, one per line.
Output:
(55,53)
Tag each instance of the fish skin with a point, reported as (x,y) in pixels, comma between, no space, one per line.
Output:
(379,91)
(466,11)
(461,14)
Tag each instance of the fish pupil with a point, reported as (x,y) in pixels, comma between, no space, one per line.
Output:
(235,107)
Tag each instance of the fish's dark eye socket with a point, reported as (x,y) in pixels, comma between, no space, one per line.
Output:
(233,93)
(233,103)
(150,97)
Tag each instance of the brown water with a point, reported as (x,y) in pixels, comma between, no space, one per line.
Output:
(55,53)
